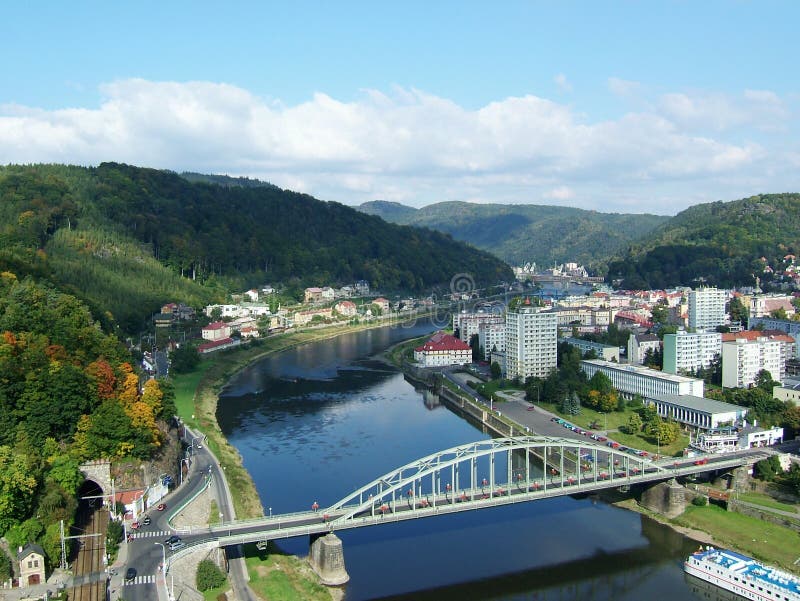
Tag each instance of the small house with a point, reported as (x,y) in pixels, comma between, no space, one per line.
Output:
(31,565)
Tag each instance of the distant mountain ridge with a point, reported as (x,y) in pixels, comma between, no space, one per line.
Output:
(521,233)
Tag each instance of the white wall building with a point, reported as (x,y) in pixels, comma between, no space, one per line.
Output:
(531,342)
(707,308)
(631,380)
(639,344)
(492,337)
(441,350)
(603,351)
(468,324)
(742,359)
(689,351)
(697,411)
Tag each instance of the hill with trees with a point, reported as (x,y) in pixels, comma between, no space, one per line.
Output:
(522,233)
(719,243)
(126,239)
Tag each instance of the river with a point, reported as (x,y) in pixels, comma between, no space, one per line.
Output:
(319,421)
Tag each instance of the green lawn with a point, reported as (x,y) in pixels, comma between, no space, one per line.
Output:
(280,577)
(637,442)
(770,543)
(185,386)
(765,500)
(213,593)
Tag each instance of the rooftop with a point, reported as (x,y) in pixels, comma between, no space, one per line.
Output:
(699,403)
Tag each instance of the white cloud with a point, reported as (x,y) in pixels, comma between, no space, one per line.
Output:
(623,87)
(562,83)
(560,193)
(411,146)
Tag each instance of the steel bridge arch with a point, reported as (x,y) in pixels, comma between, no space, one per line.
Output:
(385,488)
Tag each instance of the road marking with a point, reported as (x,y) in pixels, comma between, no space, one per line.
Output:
(148,579)
(158,533)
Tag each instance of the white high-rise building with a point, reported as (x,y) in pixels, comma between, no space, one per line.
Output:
(742,360)
(707,308)
(531,342)
(689,351)
(492,337)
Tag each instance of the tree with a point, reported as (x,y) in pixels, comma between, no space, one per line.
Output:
(495,370)
(660,312)
(764,381)
(571,405)
(779,313)
(737,310)
(184,359)
(474,343)
(209,576)
(17,485)
(634,424)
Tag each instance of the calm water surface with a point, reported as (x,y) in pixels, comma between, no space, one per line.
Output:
(317,422)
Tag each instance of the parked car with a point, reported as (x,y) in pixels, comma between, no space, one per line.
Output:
(173,539)
(146,521)
(135,525)
(161,506)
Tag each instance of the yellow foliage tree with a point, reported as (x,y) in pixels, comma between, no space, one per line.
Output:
(130,390)
(152,395)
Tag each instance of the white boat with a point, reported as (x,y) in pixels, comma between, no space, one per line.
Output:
(742,575)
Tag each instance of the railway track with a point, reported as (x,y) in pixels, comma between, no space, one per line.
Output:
(89,558)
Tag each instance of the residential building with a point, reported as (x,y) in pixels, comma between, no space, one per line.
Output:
(742,359)
(631,380)
(442,350)
(302,318)
(467,324)
(31,565)
(216,331)
(788,342)
(217,345)
(697,411)
(531,342)
(686,352)
(346,308)
(252,294)
(707,308)
(603,351)
(639,344)
(492,338)
(382,303)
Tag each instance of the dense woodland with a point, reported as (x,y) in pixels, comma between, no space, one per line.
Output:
(718,244)
(67,394)
(522,233)
(126,239)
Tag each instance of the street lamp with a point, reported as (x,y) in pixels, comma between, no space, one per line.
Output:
(163,556)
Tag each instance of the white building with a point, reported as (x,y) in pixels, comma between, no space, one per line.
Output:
(690,351)
(531,342)
(742,359)
(707,308)
(492,337)
(639,344)
(218,330)
(441,350)
(790,391)
(631,380)
(697,411)
(468,324)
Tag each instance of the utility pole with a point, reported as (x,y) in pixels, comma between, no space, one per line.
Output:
(63,548)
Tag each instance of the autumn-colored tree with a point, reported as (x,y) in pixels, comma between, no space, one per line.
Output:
(104,379)
(152,395)
(130,390)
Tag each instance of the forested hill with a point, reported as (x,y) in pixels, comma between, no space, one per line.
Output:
(521,233)
(719,243)
(142,229)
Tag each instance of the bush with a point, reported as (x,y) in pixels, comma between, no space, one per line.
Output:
(209,575)
(700,501)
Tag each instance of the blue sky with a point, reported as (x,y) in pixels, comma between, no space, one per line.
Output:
(629,107)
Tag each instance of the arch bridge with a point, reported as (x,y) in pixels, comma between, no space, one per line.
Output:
(472,476)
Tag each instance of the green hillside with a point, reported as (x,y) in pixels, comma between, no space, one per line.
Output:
(719,243)
(521,233)
(126,239)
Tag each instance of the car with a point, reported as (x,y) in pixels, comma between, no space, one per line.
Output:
(172,539)
(601,439)
(135,525)
(130,574)
(177,545)
(161,506)
(702,461)
(531,408)
(146,521)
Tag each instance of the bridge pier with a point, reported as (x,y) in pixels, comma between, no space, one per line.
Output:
(666,498)
(326,557)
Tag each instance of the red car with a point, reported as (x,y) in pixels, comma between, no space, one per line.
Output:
(135,525)
(161,506)
(702,461)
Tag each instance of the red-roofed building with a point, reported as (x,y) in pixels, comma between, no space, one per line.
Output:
(443,349)
(217,345)
(346,308)
(216,331)
(382,303)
